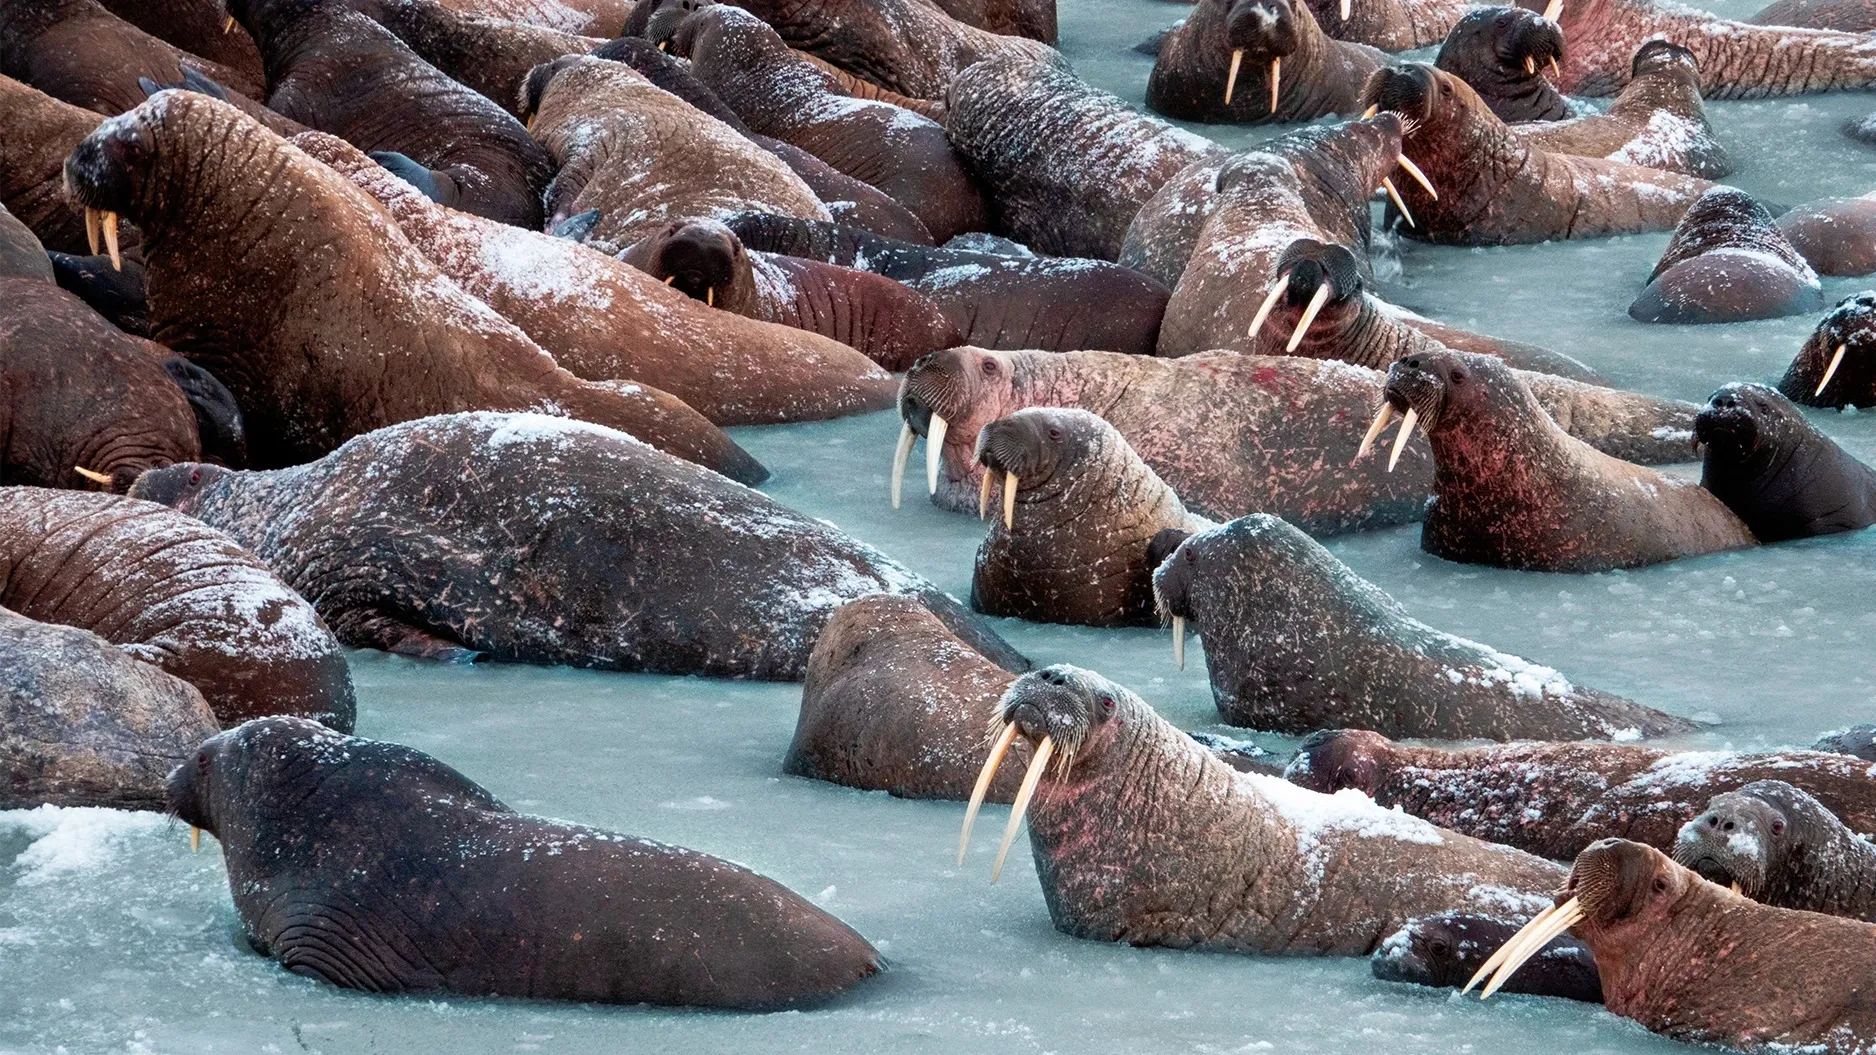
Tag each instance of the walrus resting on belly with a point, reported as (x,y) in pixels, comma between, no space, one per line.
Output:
(84,723)
(1291,70)
(1080,512)
(491,55)
(1446,950)
(1778,473)
(1295,642)
(1142,836)
(1779,846)
(1553,799)
(1836,236)
(173,592)
(1500,53)
(1658,121)
(1695,962)
(1851,16)
(77,51)
(1512,489)
(369,865)
(1727,262)
(37,133)
(1837,365)
(534,539)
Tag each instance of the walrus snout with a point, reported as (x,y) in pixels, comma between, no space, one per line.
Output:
(1660,55)
(1615,879)
(1262,29)
(1408,90)
(672,28)
(534,86)
(701,259)
(1727,420)
(178,486)
(1835,367)
(1530,37)
(104,170)
(1730,843)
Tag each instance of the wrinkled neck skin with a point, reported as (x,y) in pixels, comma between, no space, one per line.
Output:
(1675,89)
(1355,331)
(1832,870)
(285,39)
(246,505)
(748,66)
(24,20)
(1037,379)
(1477,159)
(1499,442)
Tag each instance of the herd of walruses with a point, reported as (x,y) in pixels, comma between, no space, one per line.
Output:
(414,325)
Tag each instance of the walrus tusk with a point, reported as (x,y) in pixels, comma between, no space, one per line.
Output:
(1231,78)
(1371,111)
(1498,956)
(1276,78)
(1009,501)
(110,241)
(1381,418)
(89,474)
(1393,194)
(1179,641)
(1419,176)
(983,496)
(195,837)
(1830,371)
(934,452)
(227,25)
(1309,315)
(1553,10)
(710,296)
(1530,65)
(91,228)
(997,751)
(1531,940)
(1348,8)
(669,279)
(1400,439)
(1264,309)
(1021,805)
(900,455)
(1556,69)
(528,127)
(1736,889)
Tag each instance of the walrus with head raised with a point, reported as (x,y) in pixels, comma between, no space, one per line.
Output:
(1295,642)
(1446,950)
(1837,365)
(1514,490)
(1727,262)
(1779,846)
(1141,835)
(1658,120)
(369,865)
(1252,61)
(1553,799)
(1778,473)
(1501,52)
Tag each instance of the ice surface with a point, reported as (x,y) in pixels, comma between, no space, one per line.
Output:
(113,938)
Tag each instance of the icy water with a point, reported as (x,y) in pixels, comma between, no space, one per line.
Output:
(113,938)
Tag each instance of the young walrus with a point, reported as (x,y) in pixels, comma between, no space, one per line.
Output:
(1696,962)
(319,347)
(1213,859)
(1774,469)
(1512,489)
(1779,846)
(1501,52)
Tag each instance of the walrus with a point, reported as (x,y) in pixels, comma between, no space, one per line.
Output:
(1779,846)
(1445,950)
(1858,740)
(1498,189)
(1727,262)
(602,319)
(1080,512)
(1291,70)
(779,93)
(1141,835)
(1512,489)
(599,18)
(373,866)
(1696,962)
(85,723)
(491,55)
(1553,799)
(37,132)
(1295,642)
(306,341)
(1836,236)
(199,27)
(1851,16)
(176,593)
(546,540)
(1835,368)
(1390,25)
(113,290)
(334,70)
(1776,472)
(886,321)
(78,51)
(1501,52)
(1658,120)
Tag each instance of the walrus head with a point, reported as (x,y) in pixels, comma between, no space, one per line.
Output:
(534,87)
(658,20)
(1264,32)
(1332,759)
(1434,390)
(1313,281)
(202,790)
(951,394)
(1211,577)
(1663,58)
(1745,427)
(179,486)
(701,259)
(719,33)
(1030,449)
(1503,53)
(111,171)
(1745,835)
(265,19)
(1439,951)
(1837,366)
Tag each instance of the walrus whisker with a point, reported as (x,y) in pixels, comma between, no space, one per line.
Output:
(1231,78)
(983,495)
(1498,955)
(997,751)
(1378,426)
(110,241)
(1276,78)
(1830,371)
(1009,501)
(91,474)
(934,452)
(1531,941)
(1264,309)
(195,839)
(1393,193)
(900,455)
(1020,806)
(1309,315)
(1179,640)
(91,228)
(1419,176)
(1400,438)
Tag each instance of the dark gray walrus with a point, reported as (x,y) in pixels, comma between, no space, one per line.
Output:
(1776,472)
(374,866)
(537,539)
(1780,846)
(1444,952)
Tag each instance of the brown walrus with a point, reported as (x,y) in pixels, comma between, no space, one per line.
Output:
(1851,16)
(603,319)
(174,592)
(1727,262)
(1252,61)
(1141,835)
(37,132)
(77,51)
(1658,121)
(1390,25)
(1497,189)
(1553,799)
(1514,490)
(1836,236)
(491,55)
(199,27)
(320,347)
(1835,368)
(1779,846)
(1501,53)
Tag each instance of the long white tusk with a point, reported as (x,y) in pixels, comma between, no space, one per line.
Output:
(110,241)
(1276,77)
(1231,78)
(983,495)
(1419,176)
(1530,65)
(710,296)
(1393,194)
(1264,309)
(90,474)
(91,228)
(1498,956)
(195,839)
(1553,10)
(1531,941)
(1830,371)
(1556,69)
(1381,418)
(1309,315)
(1009,501)
(997,751)
(1021,805)
(227,25)
(1348,8)
(900,455)
(1371,111)
(934,452)
(1400,440)
(1179,641)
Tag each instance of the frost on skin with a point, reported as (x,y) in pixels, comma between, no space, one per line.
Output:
(1783,847)
(1658,121)
(1727,262)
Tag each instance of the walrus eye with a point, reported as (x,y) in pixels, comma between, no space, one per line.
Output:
(1107,705)
(201,762)
(990,367)
(1457,375)
(1661,884)
(195,477)
(1440,948)
(1778,827)
(1055,435)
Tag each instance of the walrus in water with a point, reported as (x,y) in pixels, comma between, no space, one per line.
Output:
(320,347)
(1553,799)
(1498,189)
(1658,121)
(84,723)
(1696,962)
(1390,25)
(1291,70)
(1836,236)
(369,865)
(1501,52)
(1512,489)
(546,540)
(1080,512)
(1836,367)
(1727,262)
(1775,471)
(174,592)
(1858,740)
(1141,835)
(1295,642)
(1444,951)
(1779,846)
